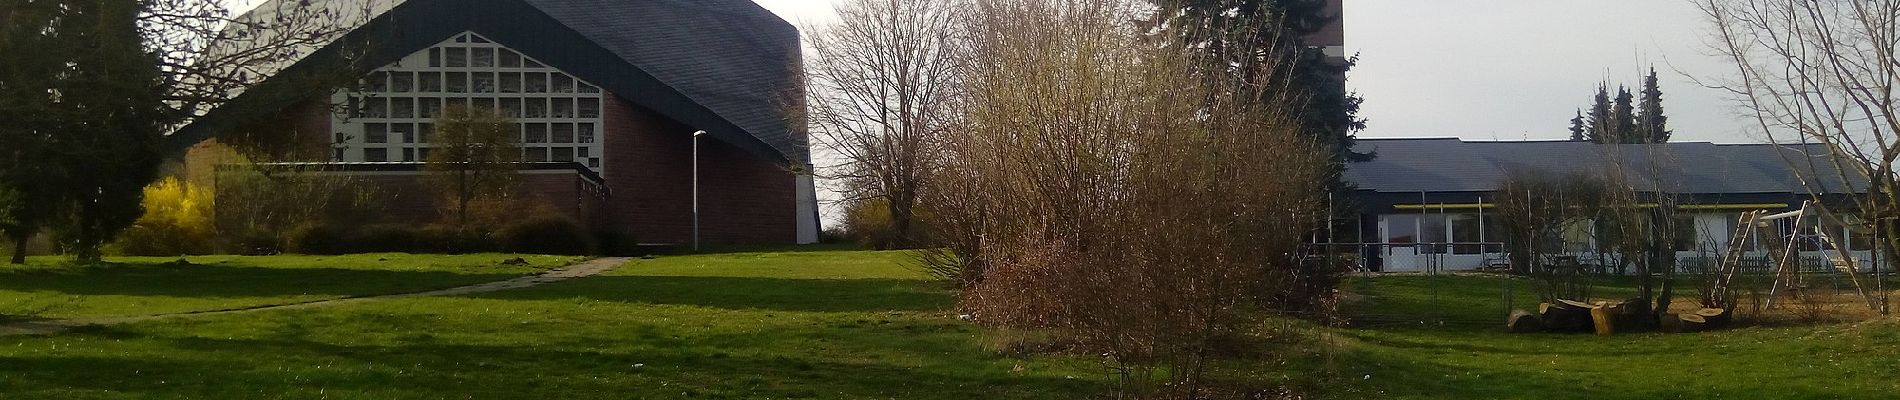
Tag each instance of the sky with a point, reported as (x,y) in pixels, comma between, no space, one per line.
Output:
(1508,69)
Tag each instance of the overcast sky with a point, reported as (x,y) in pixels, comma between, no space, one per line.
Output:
(1507,69)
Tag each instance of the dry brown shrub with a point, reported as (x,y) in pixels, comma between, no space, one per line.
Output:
(1115,192)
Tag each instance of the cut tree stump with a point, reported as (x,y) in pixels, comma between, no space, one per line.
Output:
(1715,317)
(1566,316)
(1524,322)
(1692,322)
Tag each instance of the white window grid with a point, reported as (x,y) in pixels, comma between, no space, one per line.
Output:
(389,117)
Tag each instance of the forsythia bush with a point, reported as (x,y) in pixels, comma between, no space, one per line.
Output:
(177,221)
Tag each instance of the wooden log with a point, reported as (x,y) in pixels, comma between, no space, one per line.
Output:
(1603,319)
(1524,322)
(1566,316)
(1716,317)
(1692,322)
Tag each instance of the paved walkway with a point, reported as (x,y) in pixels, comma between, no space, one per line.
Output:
(583,269)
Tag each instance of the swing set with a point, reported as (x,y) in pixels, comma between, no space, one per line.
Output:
(1784,253)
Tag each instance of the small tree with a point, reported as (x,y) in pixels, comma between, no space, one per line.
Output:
(1602,126)
(474,154)
(881,92)
(1535,210)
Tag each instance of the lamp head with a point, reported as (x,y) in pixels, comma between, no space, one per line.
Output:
(697,133)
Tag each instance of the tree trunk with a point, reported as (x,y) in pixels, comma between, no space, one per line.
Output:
(1524,322)
(19,248)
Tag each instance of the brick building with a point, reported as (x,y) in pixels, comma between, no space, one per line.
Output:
(606,96)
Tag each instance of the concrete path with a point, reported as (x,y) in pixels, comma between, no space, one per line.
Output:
(581,270)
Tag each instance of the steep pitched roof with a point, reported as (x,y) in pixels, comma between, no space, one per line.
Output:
(1453,165)
(725,66)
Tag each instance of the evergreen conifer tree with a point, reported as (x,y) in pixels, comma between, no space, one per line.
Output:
(1599,127)
(1623,118)
(1577,128)
(1652,125)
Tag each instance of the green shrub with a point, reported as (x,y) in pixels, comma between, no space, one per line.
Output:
(387,239)
(547,235)
(177,221)
(321,239)
(613,242)
(449,240)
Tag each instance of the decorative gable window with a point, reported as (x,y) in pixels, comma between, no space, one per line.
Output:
(395,109)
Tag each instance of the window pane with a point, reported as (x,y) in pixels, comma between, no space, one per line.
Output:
(510,59)
(429,82)
(457,57)
(561,154)
(563,83)
(484,82)
(376,107)
(593,162)
(537,133)
(423,131)
(375,133)
(431,106)
(537,154)
(586,134)
(1464,231)
(409,155)
(422,153)
(586,88)
(402,82)
(376,82)
(534,108)
(590,107)
(511,82)
(401,133)
(435,57)
(511,107)
(535,82)
(563,107)
(531,63)
(376,155)
(1401,228)
(563,133)
(457,82)
(477,39)
(402,107)
(454,102)
(483,57)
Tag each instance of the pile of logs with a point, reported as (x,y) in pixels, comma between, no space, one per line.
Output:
(1604,318)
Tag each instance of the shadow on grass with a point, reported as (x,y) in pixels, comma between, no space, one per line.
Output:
(809,295)
(206,367)
(214,281)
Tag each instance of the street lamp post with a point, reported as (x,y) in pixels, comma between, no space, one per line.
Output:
(696,136)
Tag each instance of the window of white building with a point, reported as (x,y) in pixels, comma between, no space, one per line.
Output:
(391,117)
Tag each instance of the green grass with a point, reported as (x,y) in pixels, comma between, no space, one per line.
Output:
(759,325)
(50,287)
(1465,361)
(853,324)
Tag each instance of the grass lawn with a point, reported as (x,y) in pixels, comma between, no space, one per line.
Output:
(51,287)
(743,325)
(1464,361)
(849,324)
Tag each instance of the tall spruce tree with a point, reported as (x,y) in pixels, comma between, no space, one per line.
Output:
(1243,32)
(1623,118)
(1577,128)
(1601,127)
(29,175)
(1652,125)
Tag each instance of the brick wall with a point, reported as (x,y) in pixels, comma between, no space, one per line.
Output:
(647,165)
(743,199)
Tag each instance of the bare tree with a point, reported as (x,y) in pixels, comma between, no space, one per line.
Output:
(1820,72)
(881,89)
(474,156)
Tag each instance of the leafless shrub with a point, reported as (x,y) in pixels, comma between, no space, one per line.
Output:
(1535,210)
(1114,192)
